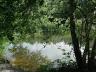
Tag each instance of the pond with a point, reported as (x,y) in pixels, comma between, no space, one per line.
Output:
(53,51)
(8,71)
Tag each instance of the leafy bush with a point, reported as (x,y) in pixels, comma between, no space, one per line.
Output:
(28,61)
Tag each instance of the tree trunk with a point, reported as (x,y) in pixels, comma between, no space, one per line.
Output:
(74,37)
(87,31)
(93,50)
(92,60)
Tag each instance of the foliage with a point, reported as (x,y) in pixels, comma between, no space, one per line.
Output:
(42,20)
(28,61)
(3,44)
(22,20)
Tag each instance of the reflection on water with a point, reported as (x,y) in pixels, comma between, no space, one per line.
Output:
(53,51)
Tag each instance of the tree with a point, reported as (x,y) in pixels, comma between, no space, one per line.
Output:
(80,11)
(81,61)
(74,36)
